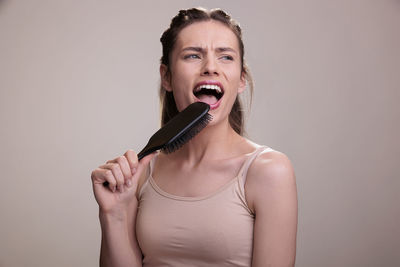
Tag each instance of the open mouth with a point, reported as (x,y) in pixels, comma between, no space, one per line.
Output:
(208,93)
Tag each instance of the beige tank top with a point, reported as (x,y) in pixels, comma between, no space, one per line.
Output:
(214,230)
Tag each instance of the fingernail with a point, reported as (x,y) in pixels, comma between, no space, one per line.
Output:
(134,171)
(121,188)
(129,183)
(114,189)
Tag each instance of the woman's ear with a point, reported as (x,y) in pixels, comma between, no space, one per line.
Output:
(165,78)
(242,84)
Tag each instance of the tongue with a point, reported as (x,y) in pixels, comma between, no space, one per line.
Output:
(209,99)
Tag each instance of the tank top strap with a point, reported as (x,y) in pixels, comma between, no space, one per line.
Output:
(149,172)
(245,167)
(151,166)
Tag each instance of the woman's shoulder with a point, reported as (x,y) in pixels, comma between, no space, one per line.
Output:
(270,172)
(270,165)
(271,159)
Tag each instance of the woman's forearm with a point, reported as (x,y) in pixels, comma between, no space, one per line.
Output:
(118,243)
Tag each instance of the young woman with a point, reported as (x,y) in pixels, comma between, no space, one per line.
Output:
(220,200)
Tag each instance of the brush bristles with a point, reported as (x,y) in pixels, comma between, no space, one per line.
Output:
(178,143)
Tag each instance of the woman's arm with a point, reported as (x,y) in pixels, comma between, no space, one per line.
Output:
(118,208)
(119,246)
(272,195)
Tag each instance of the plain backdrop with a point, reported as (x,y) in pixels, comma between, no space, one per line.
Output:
(79,83)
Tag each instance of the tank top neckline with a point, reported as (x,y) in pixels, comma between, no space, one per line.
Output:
(236,178)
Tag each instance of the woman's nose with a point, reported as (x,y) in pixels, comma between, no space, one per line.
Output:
(210,67)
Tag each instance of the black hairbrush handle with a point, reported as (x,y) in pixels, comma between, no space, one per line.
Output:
(146,151)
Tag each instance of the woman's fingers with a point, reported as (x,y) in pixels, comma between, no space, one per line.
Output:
(133,161)
(125,168)
(101,175)
(119,172)
(116,171)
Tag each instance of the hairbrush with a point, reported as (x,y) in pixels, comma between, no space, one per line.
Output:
(178,130)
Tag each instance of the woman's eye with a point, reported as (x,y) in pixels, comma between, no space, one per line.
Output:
(191,56)
(227,57)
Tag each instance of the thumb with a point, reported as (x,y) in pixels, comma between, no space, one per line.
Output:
(143,163)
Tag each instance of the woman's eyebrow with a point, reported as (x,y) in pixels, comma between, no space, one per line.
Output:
(193,48)
(201,50)
(226,49)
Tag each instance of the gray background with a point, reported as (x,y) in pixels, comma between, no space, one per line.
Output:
(79,86)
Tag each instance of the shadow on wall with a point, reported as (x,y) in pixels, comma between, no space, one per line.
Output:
(3,3)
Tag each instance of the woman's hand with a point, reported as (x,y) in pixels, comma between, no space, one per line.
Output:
(115,183)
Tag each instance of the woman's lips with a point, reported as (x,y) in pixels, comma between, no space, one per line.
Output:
(210,99)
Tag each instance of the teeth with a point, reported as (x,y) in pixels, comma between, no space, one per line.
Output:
(209,86)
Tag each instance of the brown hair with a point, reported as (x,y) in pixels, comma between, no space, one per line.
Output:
(168,39)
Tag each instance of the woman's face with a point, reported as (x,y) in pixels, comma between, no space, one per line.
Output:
(205,65)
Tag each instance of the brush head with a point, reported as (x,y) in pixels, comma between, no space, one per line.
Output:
(179,130)
(187,135)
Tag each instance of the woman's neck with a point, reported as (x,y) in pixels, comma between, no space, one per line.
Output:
(213,142)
